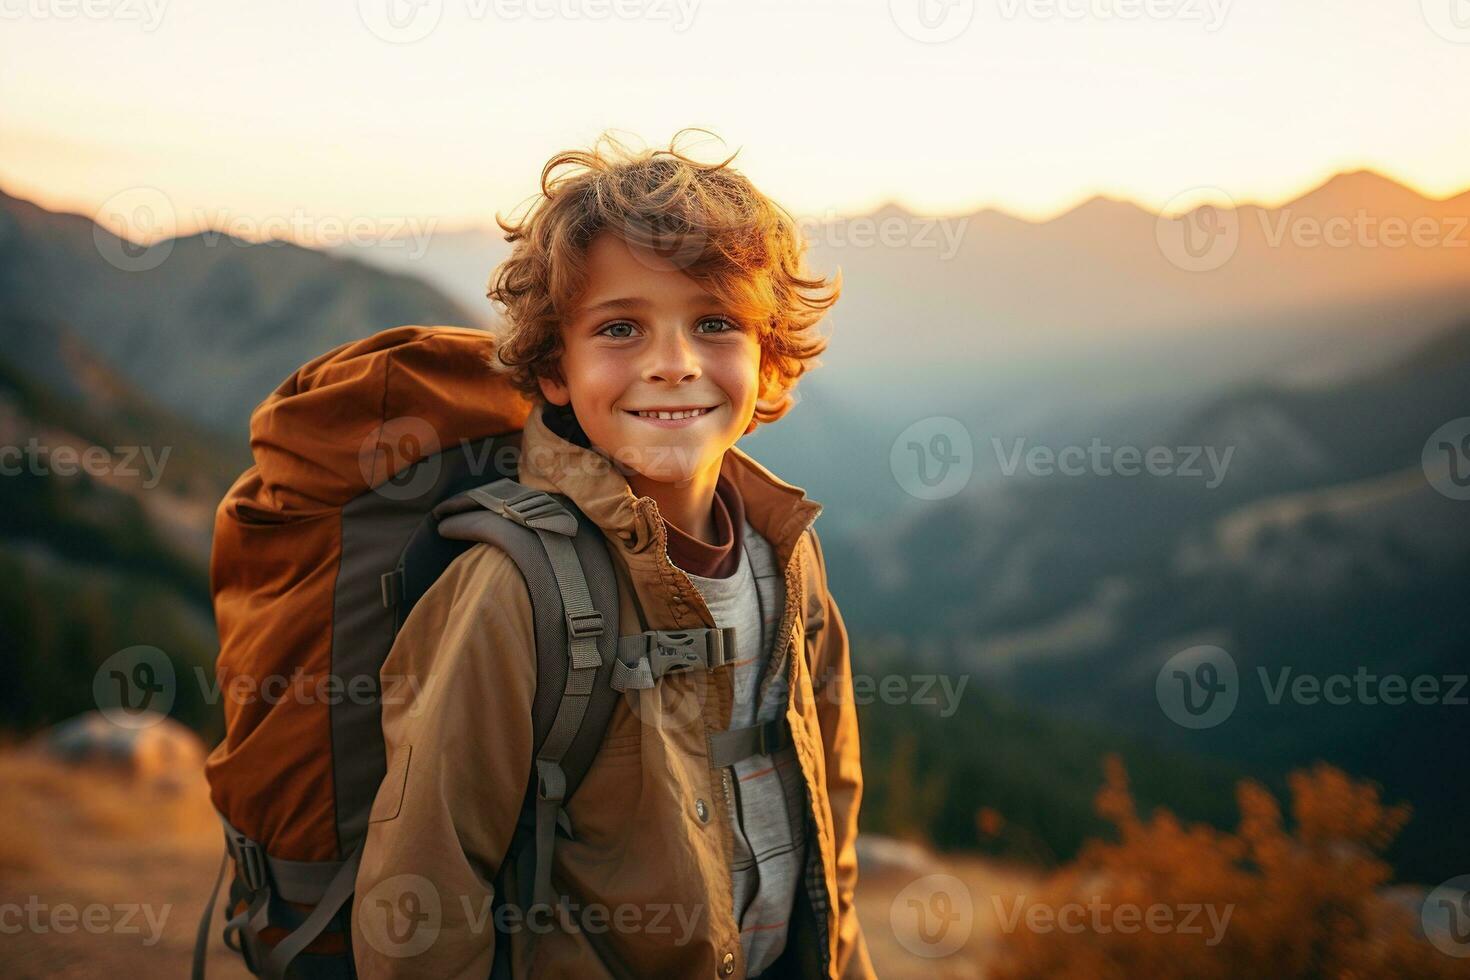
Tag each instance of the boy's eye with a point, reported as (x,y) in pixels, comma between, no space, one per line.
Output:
(722,325)
(726,321)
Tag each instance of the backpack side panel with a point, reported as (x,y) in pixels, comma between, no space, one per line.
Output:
(376,529)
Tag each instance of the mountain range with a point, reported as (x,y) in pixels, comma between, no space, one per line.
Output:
(1321,370)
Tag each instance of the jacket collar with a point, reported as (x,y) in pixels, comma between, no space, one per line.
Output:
(780,511)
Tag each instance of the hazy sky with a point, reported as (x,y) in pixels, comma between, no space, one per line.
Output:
(273,107)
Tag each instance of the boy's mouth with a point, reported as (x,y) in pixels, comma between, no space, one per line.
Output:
(671,417)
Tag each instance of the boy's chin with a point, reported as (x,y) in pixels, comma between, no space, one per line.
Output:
(667,463)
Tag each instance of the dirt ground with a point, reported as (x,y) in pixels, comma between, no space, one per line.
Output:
(102,877)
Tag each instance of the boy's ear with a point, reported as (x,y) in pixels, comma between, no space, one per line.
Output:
(554,391)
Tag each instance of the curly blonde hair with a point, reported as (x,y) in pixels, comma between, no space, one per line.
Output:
(708,219)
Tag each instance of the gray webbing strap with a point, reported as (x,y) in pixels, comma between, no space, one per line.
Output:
(555,526)
(252,867)
(729,747)
(324,884)
(644,658)
(201,938)
(336,895)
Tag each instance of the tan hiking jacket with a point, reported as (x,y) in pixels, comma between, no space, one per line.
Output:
(646,879)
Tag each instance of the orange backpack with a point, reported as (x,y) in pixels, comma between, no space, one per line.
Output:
(375,466)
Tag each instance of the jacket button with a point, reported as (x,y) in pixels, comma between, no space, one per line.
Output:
(701,810)
(727,965)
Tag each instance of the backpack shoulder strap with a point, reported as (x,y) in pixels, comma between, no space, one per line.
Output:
(574,599)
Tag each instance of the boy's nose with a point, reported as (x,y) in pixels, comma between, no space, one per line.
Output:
(672,360)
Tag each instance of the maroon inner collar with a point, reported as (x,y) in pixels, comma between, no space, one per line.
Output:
(712,560)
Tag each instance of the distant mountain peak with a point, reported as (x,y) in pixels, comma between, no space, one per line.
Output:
(1101,207)
(1362,188)
(892,209)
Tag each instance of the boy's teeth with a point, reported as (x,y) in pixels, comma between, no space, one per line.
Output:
(673,415)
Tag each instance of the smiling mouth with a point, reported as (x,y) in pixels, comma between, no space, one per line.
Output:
(672,415)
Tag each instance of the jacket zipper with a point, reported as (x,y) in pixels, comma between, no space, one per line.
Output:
(788,619)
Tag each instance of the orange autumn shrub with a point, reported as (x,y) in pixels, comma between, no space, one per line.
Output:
(1169,900)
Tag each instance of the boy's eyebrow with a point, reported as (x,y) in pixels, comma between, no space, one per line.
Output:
(632,303)
(613,305)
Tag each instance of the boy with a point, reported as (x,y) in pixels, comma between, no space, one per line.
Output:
(646,363)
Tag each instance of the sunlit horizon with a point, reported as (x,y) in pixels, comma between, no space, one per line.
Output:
(276,111)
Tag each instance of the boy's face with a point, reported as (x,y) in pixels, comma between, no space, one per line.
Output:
(644,336)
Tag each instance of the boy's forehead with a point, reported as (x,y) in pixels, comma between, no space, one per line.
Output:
(623,277)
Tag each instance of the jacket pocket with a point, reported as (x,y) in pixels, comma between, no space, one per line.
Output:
(389,800)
